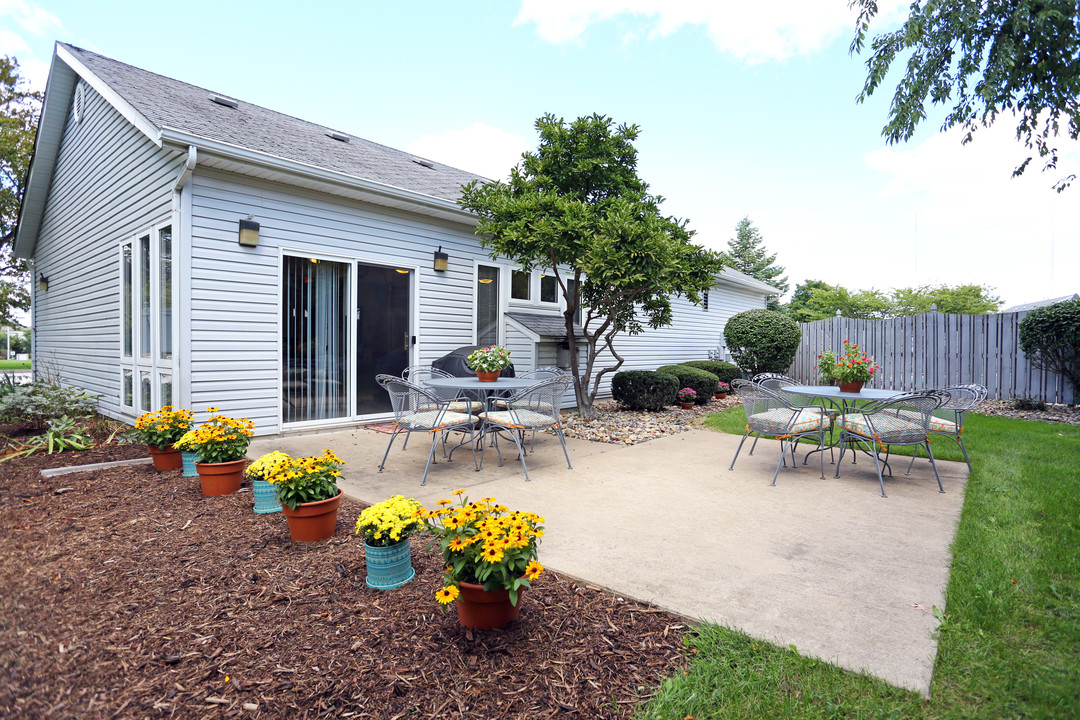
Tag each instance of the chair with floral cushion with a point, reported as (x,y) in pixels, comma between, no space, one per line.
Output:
(948,420)
(770,414)
(418,409)
(534,408)
(900,420)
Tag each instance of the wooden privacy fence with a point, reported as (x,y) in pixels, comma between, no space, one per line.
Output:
(934,350)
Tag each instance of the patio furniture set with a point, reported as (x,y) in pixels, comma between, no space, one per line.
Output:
(427,399)
(869,420)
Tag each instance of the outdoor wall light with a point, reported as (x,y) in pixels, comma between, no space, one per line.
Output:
(249,233)
(441,260)
(43,282)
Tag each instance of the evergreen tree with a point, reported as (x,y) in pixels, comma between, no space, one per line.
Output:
(747,255)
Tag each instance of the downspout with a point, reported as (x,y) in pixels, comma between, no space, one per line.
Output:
(185,173)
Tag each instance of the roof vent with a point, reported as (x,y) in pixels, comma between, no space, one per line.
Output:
(338,136)
(222,100)
(424,163)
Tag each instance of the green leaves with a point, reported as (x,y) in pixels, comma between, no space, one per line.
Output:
(1050,338)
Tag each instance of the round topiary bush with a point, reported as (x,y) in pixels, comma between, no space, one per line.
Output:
(724,371)
(703,383)
(762,341)
(644,389)
(1050,338)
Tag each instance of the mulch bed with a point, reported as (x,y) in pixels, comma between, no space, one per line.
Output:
(130,595)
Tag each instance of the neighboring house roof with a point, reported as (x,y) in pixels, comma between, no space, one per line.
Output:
(544,327)
(740,278)
(1040,303)
(178,115)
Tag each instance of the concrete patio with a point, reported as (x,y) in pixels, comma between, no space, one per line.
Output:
(828,566)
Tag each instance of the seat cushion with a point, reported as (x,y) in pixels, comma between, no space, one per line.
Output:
(937,424)
(465,406)
(777,420)
(887,428)
(520,418)
(426,419)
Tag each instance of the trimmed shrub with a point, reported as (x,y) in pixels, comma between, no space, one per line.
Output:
(703,383)
(644,389)
(1050,338)
(724,371)
(762,341)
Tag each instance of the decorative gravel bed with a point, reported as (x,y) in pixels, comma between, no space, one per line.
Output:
(1068,414)
(630,427)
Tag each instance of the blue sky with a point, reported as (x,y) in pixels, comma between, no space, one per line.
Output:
(746,109)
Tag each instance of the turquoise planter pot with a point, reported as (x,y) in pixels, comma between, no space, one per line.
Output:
(189,463)
(265,501)
(389,567)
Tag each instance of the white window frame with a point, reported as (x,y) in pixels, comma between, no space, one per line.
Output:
(502,301)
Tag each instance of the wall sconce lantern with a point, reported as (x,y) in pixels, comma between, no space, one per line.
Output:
(249,233)
(42,283)
(441,260)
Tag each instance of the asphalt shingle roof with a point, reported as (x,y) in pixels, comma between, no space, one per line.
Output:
(169,103)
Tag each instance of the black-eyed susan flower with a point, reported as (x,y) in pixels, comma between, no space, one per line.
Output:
(447,595)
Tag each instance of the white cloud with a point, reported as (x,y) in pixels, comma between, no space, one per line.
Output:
(32,18)
(481,149)
(750,31)
(19,18)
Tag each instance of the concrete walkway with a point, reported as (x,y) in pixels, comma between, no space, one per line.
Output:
(828,566)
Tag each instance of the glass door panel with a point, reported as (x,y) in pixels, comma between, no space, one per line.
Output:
(315,340)
(383,332)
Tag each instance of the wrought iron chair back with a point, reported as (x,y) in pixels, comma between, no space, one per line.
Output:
(534,408)
(770,414)
(950,417)
(773,381)
(459,400)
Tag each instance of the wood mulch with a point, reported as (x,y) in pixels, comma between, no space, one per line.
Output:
(127,594)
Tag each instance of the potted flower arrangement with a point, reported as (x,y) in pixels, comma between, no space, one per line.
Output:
(722,389)
(488,362)
(160,430)
(850,370)
(221,443)
(490,555)
(257,472)
(308,492)
(386,527)
(686,397)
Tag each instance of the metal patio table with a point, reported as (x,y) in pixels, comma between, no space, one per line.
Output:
(485,389)
(839,403)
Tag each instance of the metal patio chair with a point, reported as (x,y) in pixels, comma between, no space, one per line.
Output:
(419,374)
(534,408)
(948,419)
(901,420)
(774,381)
(770,414)
(418,409)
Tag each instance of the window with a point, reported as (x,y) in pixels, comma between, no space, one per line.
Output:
(572,291)
(125,301)
(549,289)
(165,292)
(705,300)
(487,305)
(144,297)
(146,320)
(520,282)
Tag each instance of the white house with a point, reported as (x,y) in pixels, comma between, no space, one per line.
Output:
(192,249)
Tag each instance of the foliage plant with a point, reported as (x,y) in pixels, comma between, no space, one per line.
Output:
(489,359)
(853,366)
(576,206)
(39,402)
(722,387)
(261,468)
(687,395)
(306,479)
(762,340)
(390,521)
(1027,403)
(62,434)
(701,381)
(644,389)
(1050,338)
(486,544)
(219,439)
(162,428)
(724,371)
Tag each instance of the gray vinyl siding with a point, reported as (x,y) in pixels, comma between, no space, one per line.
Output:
(109,183)
(235,294)
(522,348)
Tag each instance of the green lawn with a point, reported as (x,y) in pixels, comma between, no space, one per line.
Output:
(1009,645)
(14,364)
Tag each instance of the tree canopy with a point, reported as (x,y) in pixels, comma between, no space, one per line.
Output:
(577,207)
(817,300)
(1016,58)
(19,108)
(747,254)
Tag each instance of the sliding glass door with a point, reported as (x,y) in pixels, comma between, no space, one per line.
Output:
(383,332)
(315,339)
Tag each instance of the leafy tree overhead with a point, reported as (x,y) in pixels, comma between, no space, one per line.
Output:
(817,300)
(1016,58)
(863,304)
(801,307)
(959,300)
(19,108)
(577,207)
(746,254)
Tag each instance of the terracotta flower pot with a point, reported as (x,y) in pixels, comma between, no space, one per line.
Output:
(313,521)
(852,387)
(482,609)
(488,376)
(165,458)
(720,395)
(220,478)
(686,405)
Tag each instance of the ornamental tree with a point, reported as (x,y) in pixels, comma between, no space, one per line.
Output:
(1050,338)
(748,255)
(577,208)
